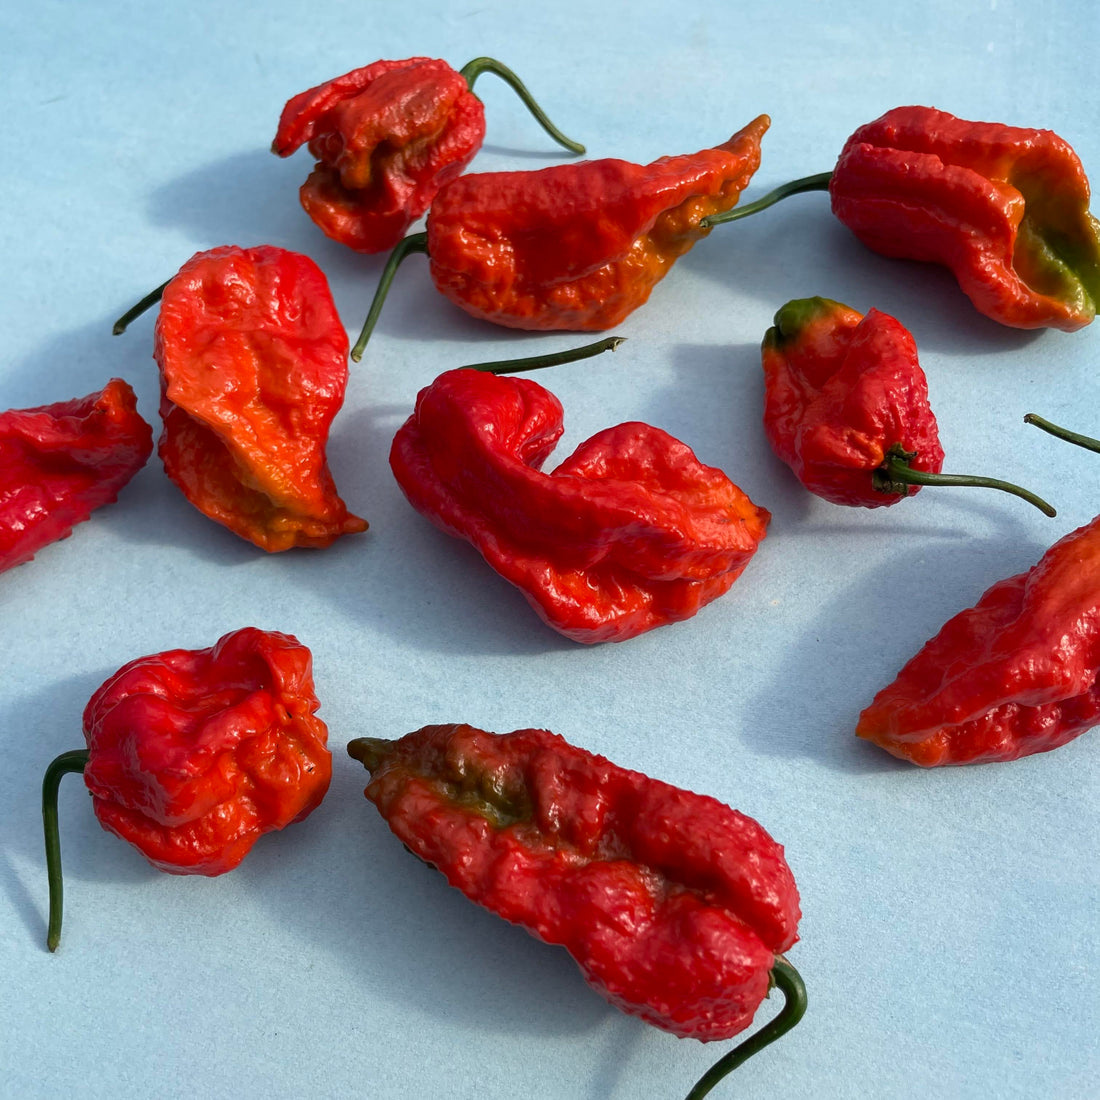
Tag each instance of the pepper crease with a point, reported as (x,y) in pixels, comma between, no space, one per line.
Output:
(1005,208)
(1014,675)
(630,532)
(253,365)
(673,905)
(60,462)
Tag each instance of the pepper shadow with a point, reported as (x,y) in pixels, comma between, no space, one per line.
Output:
(799,250)
(40,726)
(411,939)
(865,631)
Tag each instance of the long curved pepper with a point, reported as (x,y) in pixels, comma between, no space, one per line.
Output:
(573,247)
(1006,209)
(846,407)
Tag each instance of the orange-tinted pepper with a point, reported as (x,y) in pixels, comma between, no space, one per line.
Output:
(192,755)
(60,462)
(253,365)
(574,246)
(1014,675)
(386,137)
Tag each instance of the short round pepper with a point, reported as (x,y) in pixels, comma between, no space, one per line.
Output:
(192,755)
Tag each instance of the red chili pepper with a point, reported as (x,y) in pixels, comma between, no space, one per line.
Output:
(574,246)
(253,365)
(60,462)
(1005,208)
(675,907)
(1014,675)
(630,532)
(846,407)
(386,138)
(194,754)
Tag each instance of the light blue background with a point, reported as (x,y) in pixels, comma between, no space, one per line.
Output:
(949,939)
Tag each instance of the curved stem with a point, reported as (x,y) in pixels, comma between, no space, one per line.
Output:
(1085,441)
(818,182)
(473,69)
(73,761)
(895,475)
(536,362)
(135,311)
(784,977)
(415,242)
(369,751)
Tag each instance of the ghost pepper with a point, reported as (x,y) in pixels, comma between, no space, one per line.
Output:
(386,137)
(253,369)
(192,755)
(675,907)
(573,246)
(1004,207)
(846,407)
(630,532)
(60,462)
(1013,675)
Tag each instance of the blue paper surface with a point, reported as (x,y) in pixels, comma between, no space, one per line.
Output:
(949,937)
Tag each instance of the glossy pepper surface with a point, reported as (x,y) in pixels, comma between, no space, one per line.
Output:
(1005,208)
(1014,675)
(673,905)
(386,137)
(575,246)
(253,366)
(60,462)
(846,407)
(840,390)
(630,532)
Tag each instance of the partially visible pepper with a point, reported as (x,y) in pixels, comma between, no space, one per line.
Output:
(846,407)
(573,246)
(630,532)
(192,755)
(1004,207)
(1014,675)
(674,906)
(386,137)
(253,366)
(60,462)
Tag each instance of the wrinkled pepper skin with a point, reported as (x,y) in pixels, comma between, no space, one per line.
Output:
(1014,675)
(840,390)
(60,462)
(253,369)
(386,137)
(628,533)
(195,754)
(579,246)
(1005,208)
(672,904)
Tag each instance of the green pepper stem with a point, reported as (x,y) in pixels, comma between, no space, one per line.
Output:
(785,977)
(895,475)
(415,242)
(818,182)
(536,362)
(74,761)
(473,69)
(1085,441)
(135,311)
